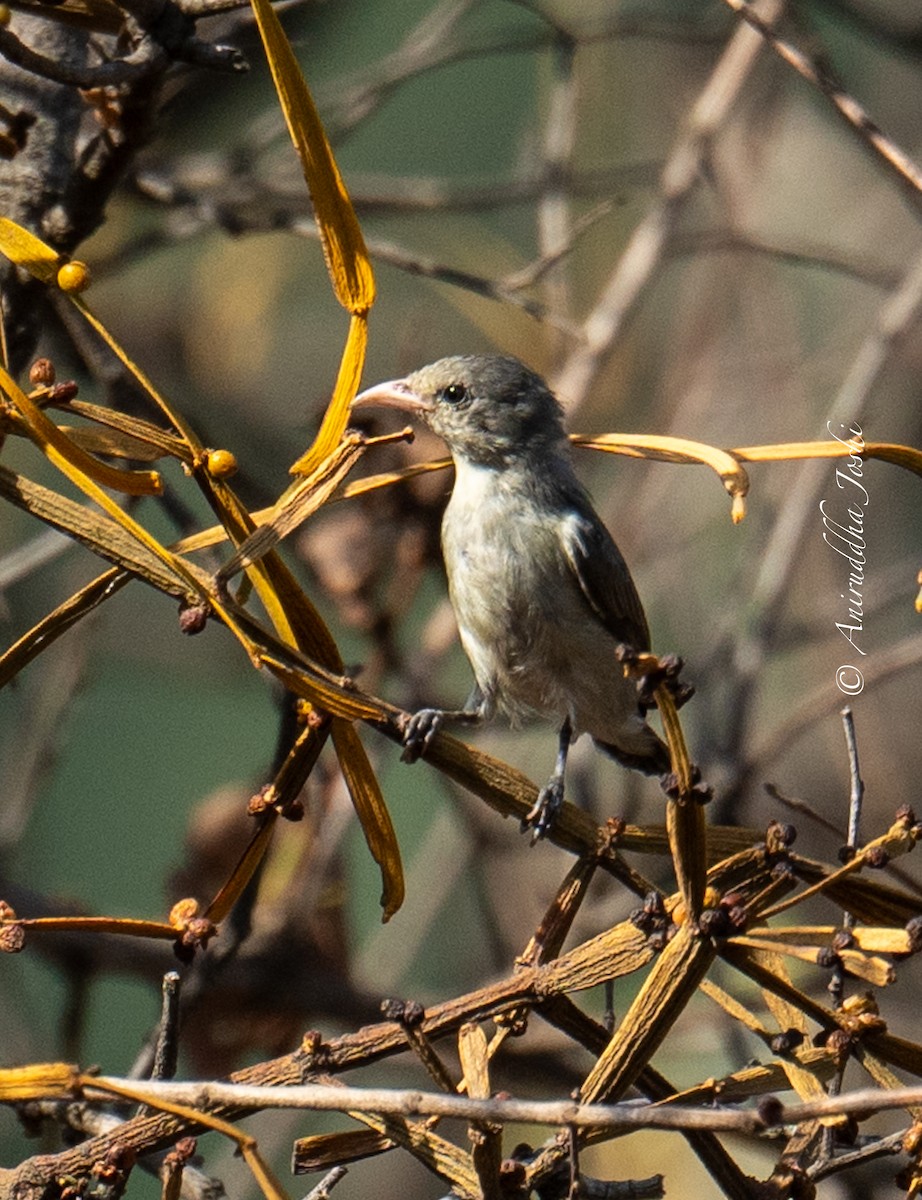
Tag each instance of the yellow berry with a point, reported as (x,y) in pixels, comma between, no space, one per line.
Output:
(74,276)
(5,14)
(221,463)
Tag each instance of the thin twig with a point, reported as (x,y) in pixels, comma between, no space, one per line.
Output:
(166,1051)
(646,247)
(326,1185)
(413,1103)
(836,985)
(856,791)
(877,1148)
(847,107)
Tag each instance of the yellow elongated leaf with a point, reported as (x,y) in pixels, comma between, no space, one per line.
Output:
(343,244)
(687,829)
(92,529)
(735,1009)
(243,872)
(57,446)
(685,821)
(871,968)
(612,954)
(38,1081)
(754,1081)
(175,417)
(437,1153)
(875,970)
(295,619)
(89,487)
(296,504)
(26,250)
(670,983)
(308,628)
(883,1076)
(269,1183)
(727,463)
(336,416)
(129,926)
(787,1014)
(776,984)
(876,939)
(807,1084)
(902,1053)
(238,525)
(485,1137)
(802,1079)
(159,442)
(372,813)
(351,706)
(475,1062)
(372,482)
(321,1151)
(903,456)
(907,457)
(111,442)
(50,628)
(678,450)
(246,1143)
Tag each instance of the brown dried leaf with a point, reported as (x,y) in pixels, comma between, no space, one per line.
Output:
(670,984)
(372,813)
(322,1151)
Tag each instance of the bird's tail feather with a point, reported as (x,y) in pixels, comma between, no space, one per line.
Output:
(654,762)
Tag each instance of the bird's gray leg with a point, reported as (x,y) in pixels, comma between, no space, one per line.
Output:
(425,724)
(541,817)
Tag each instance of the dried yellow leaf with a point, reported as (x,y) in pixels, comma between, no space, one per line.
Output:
(372,813)
(341,237)
(26,250)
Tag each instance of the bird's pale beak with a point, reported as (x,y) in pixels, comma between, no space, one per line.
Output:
(396,393)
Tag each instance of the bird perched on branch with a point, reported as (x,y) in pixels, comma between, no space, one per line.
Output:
(542,596)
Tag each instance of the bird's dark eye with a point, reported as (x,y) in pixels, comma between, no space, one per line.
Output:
(454,393)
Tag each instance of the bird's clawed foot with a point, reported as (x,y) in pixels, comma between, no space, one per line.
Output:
(540,818)
(420,729)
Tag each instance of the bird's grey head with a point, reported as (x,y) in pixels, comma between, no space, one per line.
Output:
(489,408)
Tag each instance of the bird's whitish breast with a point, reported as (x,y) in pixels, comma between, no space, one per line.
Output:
(523,622)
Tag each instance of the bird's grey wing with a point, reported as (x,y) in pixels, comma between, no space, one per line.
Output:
(604,578)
